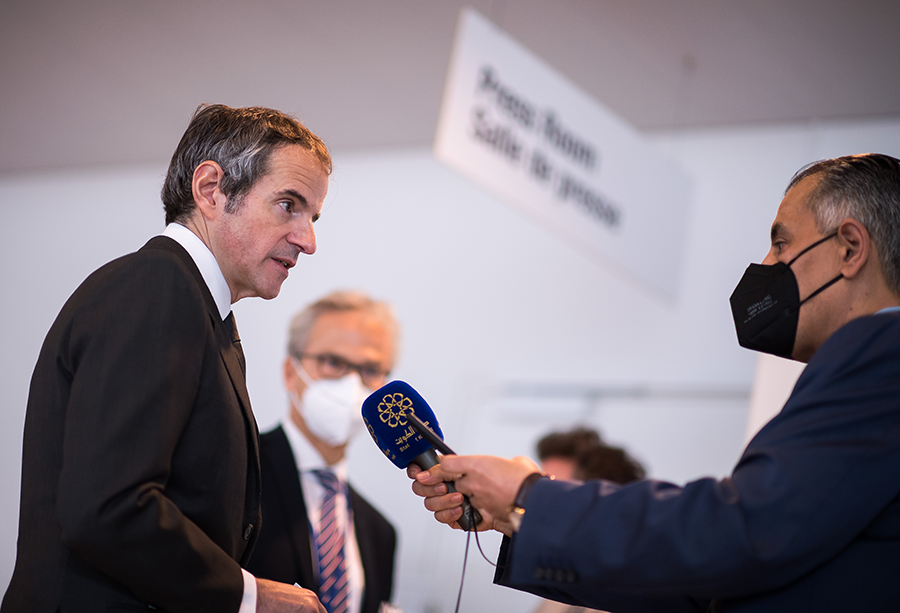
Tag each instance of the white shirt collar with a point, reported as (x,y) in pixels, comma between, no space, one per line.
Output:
(892,309)
(206,262)
(306,456)
(308,459)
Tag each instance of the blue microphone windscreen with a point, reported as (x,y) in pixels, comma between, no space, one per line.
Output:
(384,413)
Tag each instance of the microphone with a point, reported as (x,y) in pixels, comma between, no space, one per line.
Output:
(405,429)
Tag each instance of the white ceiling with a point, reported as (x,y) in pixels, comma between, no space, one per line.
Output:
(99,82)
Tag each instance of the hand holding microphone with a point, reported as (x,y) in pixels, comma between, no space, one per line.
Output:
(406,430)
(404,427)
(491,483)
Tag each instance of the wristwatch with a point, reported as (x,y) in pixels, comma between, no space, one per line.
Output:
(518,507)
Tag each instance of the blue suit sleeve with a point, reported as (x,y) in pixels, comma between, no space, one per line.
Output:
(808,485)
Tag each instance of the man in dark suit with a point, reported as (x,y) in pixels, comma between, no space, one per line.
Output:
(140,469)
(340,349)
(810,518)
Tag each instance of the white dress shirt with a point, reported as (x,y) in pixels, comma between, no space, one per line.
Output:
(308,459)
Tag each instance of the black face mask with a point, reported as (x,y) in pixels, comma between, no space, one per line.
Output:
(766,306)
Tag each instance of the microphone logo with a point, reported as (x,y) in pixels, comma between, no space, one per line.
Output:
(392,409)
(387,414)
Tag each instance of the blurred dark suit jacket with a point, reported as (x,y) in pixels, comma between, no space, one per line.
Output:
(284,551)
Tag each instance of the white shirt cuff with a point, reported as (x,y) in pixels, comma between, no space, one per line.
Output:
(248,602)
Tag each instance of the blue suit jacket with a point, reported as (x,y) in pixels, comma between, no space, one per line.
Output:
(808,520)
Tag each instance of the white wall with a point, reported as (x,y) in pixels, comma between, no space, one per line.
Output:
(487,299)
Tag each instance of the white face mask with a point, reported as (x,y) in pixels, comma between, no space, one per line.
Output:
(330,407)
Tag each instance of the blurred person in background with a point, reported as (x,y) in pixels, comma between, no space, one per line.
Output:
(580,454)
(319,532)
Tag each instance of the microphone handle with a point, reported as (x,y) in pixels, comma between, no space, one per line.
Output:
(470,517)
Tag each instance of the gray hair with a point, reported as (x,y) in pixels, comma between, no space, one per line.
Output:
(239,140)
(340,302)
(865,188)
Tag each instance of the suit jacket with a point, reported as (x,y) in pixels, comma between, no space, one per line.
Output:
(284,550)
(140,469)
(808,521)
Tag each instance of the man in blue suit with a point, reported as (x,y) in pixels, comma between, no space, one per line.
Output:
(809,520)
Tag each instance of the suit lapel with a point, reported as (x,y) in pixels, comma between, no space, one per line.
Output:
(293,507)
(367,550)
(232,364)
(223,334)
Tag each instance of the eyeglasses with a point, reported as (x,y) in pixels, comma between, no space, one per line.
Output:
(331,366)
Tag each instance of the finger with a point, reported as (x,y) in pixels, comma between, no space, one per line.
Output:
(500,526)
(441,503)
(433,476)
(427,491)
(412,470)
(450,517)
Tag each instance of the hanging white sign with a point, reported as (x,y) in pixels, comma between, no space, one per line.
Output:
(515,125)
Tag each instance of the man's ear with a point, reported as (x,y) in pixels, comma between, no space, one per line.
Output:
(854,239)
(206,189)
(289,374)
(292,381)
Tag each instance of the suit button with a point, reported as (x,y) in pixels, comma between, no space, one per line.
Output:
(538,573)
(571,576)
(248,531)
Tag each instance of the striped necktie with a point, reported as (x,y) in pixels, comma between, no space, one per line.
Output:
(333,587)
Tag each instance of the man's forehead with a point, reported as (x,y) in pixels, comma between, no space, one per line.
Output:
(794,212)
(336,326)
(295,168)
(785,218)
(353,335)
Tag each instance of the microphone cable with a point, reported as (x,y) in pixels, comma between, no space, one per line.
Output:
(462,579)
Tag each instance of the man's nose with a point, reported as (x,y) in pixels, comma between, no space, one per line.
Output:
(304,237)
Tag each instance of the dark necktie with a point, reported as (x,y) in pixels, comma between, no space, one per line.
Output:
(236,341)
(334,589)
